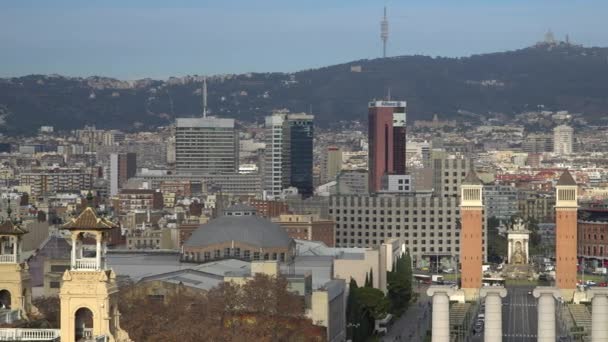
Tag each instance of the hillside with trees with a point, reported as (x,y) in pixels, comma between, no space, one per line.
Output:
(553,76)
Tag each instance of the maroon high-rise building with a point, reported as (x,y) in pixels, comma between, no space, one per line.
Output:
(386,121)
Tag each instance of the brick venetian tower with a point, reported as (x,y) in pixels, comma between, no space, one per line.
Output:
(471,218)
(566,206)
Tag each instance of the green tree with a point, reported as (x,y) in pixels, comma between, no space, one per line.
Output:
(373,302)
(400,284)
(371,277)
(497,244)
(353,309)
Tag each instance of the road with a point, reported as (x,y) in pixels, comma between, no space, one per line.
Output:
(413,325)
(519,315)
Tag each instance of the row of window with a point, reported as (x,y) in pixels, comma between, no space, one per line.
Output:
(397,212)
(390,219)
(593,250)
(389,227)
(233,253)
(366,242)
(398,234)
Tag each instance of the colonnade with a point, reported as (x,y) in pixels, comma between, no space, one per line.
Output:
(493,312)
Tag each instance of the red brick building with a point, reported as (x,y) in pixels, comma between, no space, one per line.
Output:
(269,208)
(307,227)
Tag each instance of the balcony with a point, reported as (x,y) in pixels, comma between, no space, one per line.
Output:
(8,259)
(86,264)
(8,334)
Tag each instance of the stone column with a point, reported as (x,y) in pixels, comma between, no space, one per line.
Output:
(98,251)
(599,314)
(493,326)
(546,312)
(509,251)
(441,312)
(74,251)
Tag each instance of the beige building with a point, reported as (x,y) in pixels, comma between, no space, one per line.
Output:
(149,238)
(428,226)
(376,260)
(332,164)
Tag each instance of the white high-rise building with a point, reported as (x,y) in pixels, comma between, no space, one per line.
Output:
(273,155)
(206,145)
(562,140)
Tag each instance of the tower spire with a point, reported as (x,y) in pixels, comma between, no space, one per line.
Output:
(204,96)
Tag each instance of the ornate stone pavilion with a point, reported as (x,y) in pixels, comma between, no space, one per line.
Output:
(89,292)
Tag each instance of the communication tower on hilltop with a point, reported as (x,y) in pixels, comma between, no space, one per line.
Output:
(384,32)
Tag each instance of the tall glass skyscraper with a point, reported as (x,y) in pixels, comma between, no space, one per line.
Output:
(301,132)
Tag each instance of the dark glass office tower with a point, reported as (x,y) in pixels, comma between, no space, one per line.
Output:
(300,136)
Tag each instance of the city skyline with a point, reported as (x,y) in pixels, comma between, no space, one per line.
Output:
(151,39)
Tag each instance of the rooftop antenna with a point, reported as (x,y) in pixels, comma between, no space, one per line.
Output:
(384,33)
(388,96)
(205,96)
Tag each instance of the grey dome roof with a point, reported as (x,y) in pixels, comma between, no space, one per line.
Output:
(251,230)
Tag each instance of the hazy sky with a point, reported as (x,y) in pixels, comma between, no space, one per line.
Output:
(152,38)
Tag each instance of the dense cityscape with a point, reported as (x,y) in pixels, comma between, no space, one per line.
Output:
(284,224)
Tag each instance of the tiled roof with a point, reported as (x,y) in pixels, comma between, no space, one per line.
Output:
(566,179)
(88,219)
(472,178)
(9,228)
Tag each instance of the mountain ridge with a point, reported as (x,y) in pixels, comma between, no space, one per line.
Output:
(557,76)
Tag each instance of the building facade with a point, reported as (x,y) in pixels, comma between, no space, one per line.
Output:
(500,201)
(274,153)
(206,145)
(429,227)
(352,182)
(307,227)
(300,160)
(123,166)
(139,199)
(539,206)
(448,173)
(57,180)
(332,164)
(288,157)
(537,143)
(386,125)
(563,136)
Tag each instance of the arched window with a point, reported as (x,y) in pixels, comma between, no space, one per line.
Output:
(5,299)
(84,324)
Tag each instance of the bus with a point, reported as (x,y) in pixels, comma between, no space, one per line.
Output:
(486,281)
